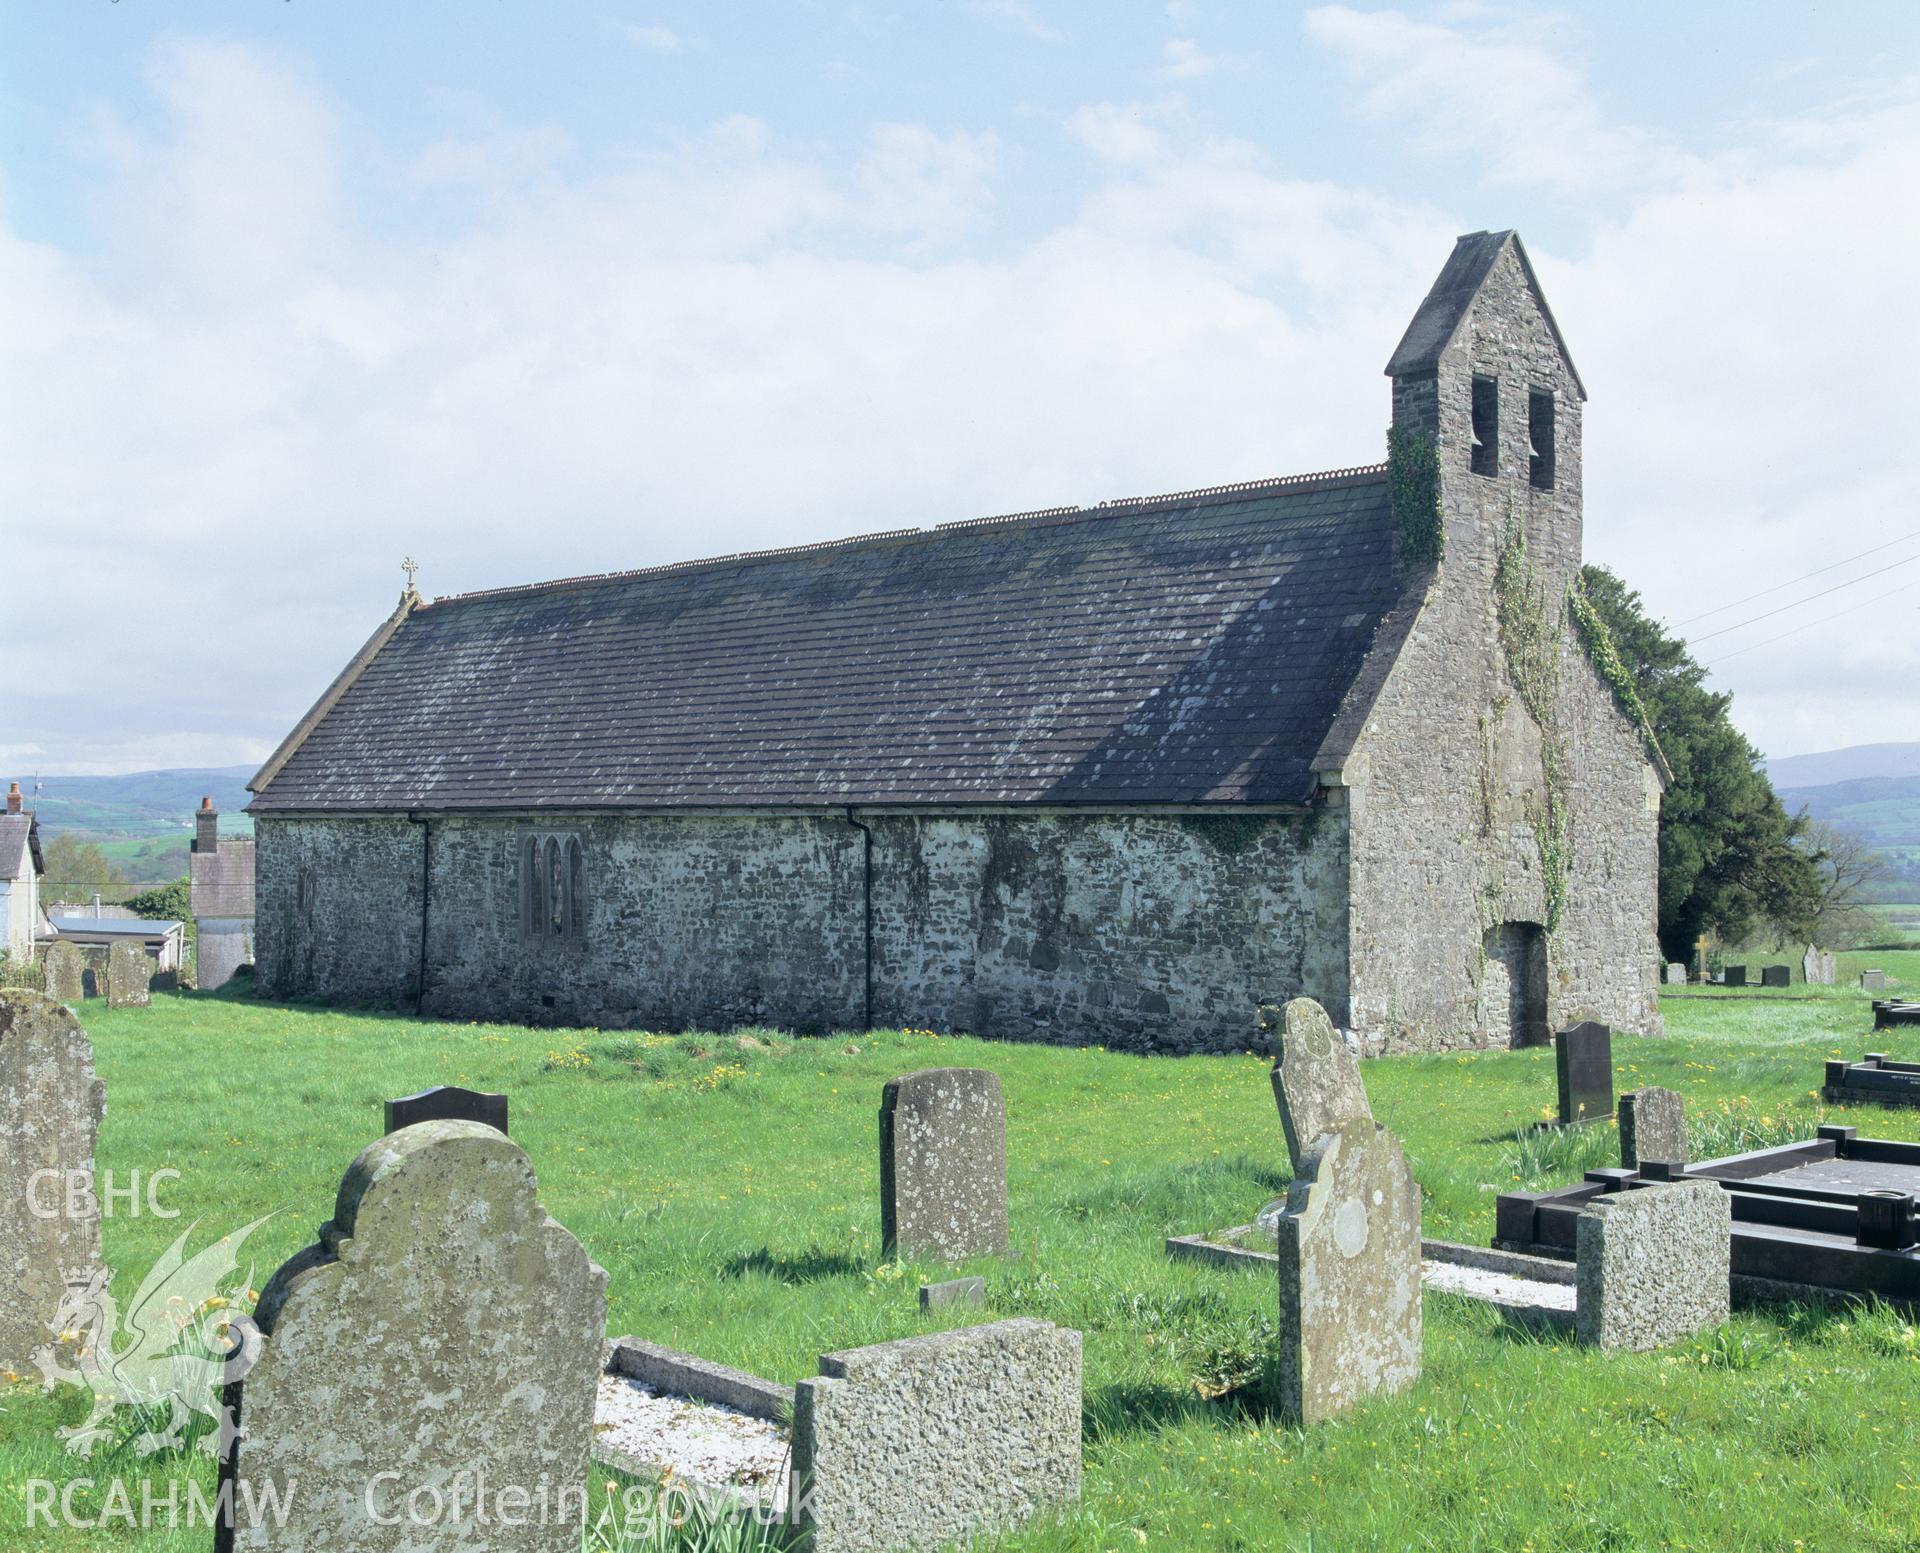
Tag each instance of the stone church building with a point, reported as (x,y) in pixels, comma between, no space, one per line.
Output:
(1109,774)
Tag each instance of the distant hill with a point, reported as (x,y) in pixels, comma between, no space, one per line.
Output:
(143,804)
(1858,762)
(1882,811)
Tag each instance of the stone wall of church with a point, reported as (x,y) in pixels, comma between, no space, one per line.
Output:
(1139,932)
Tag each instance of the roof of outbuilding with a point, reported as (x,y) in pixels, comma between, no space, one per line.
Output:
(1182,649)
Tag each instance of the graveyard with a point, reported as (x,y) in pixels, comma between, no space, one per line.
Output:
(730,1187)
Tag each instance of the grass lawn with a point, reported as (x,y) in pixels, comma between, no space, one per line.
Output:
(729,1185)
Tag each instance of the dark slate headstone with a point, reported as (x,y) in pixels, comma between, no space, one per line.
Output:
(1776,976)
(448,1103)
(1584,1058)
(943,1164)
(1736,976)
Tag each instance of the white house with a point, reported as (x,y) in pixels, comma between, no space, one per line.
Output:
(21,868)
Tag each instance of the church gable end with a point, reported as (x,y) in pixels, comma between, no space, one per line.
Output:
(1504,838)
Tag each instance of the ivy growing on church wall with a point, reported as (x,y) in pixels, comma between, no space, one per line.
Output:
(1531,636)
(1413,494)
(1598,642)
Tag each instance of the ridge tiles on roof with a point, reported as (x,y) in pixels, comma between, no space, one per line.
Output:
(1359,474)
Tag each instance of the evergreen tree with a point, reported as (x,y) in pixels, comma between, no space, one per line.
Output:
(1731,857)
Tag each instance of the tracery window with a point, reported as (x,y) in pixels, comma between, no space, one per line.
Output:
(553,886)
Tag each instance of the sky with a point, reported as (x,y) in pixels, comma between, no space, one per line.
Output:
(292,291)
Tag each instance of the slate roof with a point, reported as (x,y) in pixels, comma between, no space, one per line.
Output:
(1446,304)
(1184,649)
(19,847)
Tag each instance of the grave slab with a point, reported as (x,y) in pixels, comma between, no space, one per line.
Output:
(943,1165)
(1653,1265)
(443,1325)
(1583,1063)
(1653,1125)
(1348,1256)
(929,1441)
(1316,1078)
(50,1110)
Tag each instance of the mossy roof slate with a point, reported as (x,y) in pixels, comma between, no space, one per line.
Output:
(1185,649)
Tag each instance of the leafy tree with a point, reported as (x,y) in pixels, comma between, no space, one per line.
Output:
(165,902)
(76,871)
(1731,858)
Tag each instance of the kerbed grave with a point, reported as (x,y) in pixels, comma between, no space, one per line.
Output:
(1645,1272)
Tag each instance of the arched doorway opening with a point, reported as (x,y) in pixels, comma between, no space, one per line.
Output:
(1515,994)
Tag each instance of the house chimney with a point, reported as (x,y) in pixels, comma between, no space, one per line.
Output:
(206,832)
(13,798)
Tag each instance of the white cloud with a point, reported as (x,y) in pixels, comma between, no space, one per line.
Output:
(1020,16)
(1494,100)
(225,427)
(1184,60)
(662,40)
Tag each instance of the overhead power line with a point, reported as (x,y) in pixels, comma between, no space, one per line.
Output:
(1808,625)
(1783,608)
(1721,609)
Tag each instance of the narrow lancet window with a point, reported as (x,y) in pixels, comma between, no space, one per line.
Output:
(1485,456)
(1540,439)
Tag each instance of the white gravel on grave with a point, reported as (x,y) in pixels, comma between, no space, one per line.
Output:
(1477,1283)
(700,1441)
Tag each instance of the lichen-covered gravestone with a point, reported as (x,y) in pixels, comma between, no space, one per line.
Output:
(1653,1264)
(129,976)
(50,1110)
(1348,1240)
(1653,1125)
(943,1165)
(1676,974)
(65,967)
(1873,981)
(1817,967)
(1316,1078)
(435,1356)
(923,1442)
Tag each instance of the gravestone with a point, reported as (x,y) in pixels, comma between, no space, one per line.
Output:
(1348,1246)
(1316,1078)
(129,976)
(1653,1125)
(65,968)
(1776,976)
(1829,968)
(444,1330)
(50,1110)
(1653,1264)
(943,1165)
(1583,1060)
(969,1293)
(924,1442)
(447,1103)
(1676,974)
(1734,976)
(1873,981)
(1817,967)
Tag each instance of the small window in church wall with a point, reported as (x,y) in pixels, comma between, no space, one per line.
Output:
(553,886)
(1540,439)
(1484,457)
